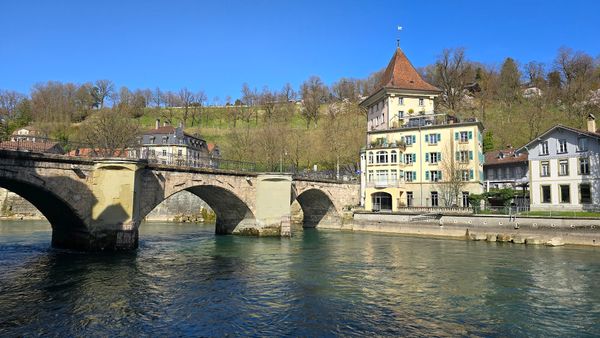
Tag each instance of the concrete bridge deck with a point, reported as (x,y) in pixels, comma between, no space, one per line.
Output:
(98,204)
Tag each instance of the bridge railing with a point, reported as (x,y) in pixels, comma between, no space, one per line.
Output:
(81,150)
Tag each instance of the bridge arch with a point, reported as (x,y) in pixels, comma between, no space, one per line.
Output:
(232,208)
(318,208)
(69,228)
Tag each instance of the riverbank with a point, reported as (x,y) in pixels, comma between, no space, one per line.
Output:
(530,230)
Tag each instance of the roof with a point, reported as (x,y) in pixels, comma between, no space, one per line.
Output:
(401,74)
(89,152)
(505,156)
(161,130)
(211,146)
(571,129)
(45,147)
(28,128)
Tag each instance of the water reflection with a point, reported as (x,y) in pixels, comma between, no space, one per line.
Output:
(184,280)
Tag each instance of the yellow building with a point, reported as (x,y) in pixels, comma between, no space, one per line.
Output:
(414,156)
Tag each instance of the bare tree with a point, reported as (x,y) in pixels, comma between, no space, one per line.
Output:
(314,94)
(453,72)
(186,98)
(102,90)
(455,174)
(109,133)
(267,101)
(157,97)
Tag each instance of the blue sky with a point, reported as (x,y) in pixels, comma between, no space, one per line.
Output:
(217,46)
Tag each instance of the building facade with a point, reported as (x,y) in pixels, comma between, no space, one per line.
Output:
(415,157)
(564,168)
(172,146)
(506,168)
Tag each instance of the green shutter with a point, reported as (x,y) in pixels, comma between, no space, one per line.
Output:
(414,157)
(426,138)
(414,139)
(439,137)
(439,156)
(456,136)
(470,135)
(458,156)
(470,155)
(426,157)
(471,174)
(426,175)
(439,175)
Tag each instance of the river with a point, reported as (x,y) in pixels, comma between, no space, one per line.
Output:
(186,281)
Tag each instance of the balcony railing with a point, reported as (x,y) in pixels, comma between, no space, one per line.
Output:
(385,183)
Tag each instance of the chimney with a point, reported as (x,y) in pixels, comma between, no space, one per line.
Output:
(591,123)
(164,123)
(157,123)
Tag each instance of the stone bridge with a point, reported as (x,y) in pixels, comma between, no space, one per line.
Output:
(98,204)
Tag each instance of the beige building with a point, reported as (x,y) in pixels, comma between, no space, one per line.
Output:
(414,156)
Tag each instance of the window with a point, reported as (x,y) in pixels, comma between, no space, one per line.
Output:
(394,175)
(544,169)
(465,199)
(433,138)
(563,168)
(565,194)
(381,157)
(401,101)
(409,139)
(544,148)
(464,175)
(562,146)
(410,158)
(490,174)
(152,140)
(394,157)
(164,139)
(381,175)
(585,193)
(409,198)
(463,156)
(518,172)
(370,176)
(370,157)
(546,198)
(464,136)
(401,114)
(179,152)
(434,199)
(421,102)
(164,152)
(410,176)
(433,158)
(436,175)
(582,144)
(584,166)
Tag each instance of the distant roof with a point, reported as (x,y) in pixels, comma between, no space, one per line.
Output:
(571,129)
(211,146)
(401,74)
(29,128)
(161,130)
(44,147)
(504,156)
(94,152)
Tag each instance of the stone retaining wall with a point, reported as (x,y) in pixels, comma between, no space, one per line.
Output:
(538,230)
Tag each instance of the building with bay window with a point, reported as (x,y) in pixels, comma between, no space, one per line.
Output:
(416,157)
(564,168)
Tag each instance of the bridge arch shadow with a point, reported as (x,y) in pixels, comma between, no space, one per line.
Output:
(68,227)
(317,208)
(230,210)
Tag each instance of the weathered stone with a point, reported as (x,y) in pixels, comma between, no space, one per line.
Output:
(490,237)
(534,241)
(555,241)
(518,239)
(503,238)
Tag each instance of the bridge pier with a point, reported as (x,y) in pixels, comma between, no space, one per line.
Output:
(272,217)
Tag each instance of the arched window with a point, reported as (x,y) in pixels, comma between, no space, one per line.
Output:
(370,157)
(394,157)
(382,157)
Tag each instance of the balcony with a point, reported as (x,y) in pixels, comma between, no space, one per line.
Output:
(379,144)
(385,183)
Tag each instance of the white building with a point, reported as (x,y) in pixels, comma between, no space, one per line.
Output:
(564,168)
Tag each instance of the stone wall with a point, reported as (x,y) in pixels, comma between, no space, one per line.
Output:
(15,206)
(183,206)
(523,230)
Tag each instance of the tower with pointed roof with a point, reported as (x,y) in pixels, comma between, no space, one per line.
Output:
(414,154)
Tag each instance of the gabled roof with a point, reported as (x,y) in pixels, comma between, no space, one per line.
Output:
(559,126)
(505,156)
(401,74)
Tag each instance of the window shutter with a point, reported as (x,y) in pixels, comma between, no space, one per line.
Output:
(439,137)
(456,136)
(426,138)
(458,156)
(471,174)
(426,157)
(414,175)
(414,157)
(470,155)
(439,175)
(470,135)
(402,139)
(439,156)
(414,139)
(426,175)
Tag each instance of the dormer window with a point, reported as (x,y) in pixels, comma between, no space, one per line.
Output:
(501,155)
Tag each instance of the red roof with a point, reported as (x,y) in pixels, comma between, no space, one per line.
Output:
(89,152)
(43,147)
(211,146)
(508,156)
(401,74)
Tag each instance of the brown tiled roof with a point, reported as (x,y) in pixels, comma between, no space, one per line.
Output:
(89,152)
(161,130)
(211,146)
(44,147)
(493,158)
(401,74)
